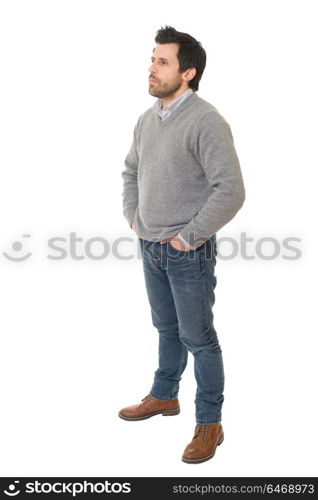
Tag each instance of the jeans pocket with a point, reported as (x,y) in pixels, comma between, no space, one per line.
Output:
(174,251)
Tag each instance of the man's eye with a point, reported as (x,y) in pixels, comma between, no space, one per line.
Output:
(161,62)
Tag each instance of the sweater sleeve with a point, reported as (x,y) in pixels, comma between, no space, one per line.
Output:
(214,149)
(130,182)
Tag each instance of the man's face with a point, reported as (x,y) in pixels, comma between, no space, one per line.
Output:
(165,78)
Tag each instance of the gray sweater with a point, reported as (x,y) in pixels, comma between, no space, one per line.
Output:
(182,174)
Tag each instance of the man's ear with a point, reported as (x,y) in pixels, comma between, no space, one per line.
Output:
(189,74)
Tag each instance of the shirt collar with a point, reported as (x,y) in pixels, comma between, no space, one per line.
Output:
(173,105)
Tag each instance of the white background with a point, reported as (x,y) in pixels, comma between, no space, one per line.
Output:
(77,342)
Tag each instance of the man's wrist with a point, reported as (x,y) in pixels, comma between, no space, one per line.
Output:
(183,241)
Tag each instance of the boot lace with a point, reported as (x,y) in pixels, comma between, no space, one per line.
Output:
(201,431)
(147,398)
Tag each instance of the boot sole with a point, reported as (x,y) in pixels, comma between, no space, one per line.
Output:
(199,460)
(164,413)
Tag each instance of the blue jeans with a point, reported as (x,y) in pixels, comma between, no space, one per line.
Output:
(180,287)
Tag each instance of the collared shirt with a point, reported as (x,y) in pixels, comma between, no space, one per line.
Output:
(165,112)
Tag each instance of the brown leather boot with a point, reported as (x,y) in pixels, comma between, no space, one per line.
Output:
(203,445)
(149,407)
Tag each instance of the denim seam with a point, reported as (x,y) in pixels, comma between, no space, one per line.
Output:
(203,277)
(206,422)
(169,398)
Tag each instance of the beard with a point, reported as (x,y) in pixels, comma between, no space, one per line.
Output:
(162,90)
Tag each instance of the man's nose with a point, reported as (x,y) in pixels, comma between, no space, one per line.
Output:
(152,69)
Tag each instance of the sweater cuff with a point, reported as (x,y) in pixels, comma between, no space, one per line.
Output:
(130,215)
(191,238)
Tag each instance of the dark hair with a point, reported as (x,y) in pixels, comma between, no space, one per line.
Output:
(191,54)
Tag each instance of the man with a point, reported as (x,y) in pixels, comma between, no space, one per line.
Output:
(182,183)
